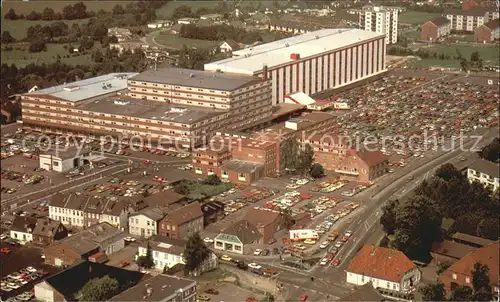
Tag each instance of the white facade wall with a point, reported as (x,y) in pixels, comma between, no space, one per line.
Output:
(386,22)
(44,292)
(21,236)
(141,225)
(52,163)
(486,180)
(114,246)
(359,280)
(67,216)
(308,78)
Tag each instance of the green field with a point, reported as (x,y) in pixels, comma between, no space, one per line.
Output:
(18,28)
(23,57)
(176,42)
(416,18)
(167,9)
(25,8)
(489,54)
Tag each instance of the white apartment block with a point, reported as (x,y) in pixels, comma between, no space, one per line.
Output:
(381,20)
(470,20)
(485,172)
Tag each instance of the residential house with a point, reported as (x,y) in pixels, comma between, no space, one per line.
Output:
(101,237)
(234,238)
(48,231)
(268,222)
(387,269)
(205,23)
(122,34)
(212,17)
(183,222)
(168,252)
(131,46)
(22,229)
(145,222)
(176,28)
(160,288)
(460,273)
(485,172)
(160,24)
(242,171)
(229,46)
(259,18)
(435,29)
(470,240)
(66,285)
(167,199)
(488,32)
(212,211)
(448,252)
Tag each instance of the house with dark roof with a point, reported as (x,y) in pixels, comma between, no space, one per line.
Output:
(229,46)
(183,222)
(145,222)
(164,199)
(488,32)
(168,252)
(22,228)
(471,240)
(101,237)
(48,231)
(65,285)
(460,273)
(435,29)
(234,238)
(212,211)
(485,172)
(267,222)
(386,269)
(448,251)
(160,288)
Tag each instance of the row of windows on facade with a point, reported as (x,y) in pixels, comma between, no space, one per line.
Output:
(200,89)
(228,246)
(255,91)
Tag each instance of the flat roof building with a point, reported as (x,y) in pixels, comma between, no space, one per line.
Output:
(311,62)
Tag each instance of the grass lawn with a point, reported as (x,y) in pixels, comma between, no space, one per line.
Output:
(18,28)
(176,42)
(167,9)
(489,54)
(464,38)
(23,57)
(25,8)
(416,18)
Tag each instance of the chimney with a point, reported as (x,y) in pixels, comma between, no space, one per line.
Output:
(390,253)
(264,71)
(373,250)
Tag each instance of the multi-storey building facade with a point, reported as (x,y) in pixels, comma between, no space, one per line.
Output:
(488,32)
(382,20)
(471,19)
(312,62)
(183,222)
(175,107)
(208,161)
(485,172)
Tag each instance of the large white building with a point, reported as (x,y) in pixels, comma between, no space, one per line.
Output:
(382,20)
(485,172)
(311,62)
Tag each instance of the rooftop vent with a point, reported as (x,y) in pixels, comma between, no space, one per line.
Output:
(286,44)
(191,75)
(178,109)
(71,88)
(122,103)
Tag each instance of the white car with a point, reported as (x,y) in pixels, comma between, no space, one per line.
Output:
(338,244)
(348,233)
(324,261)
(257,252)
(31,269)
(129,239)
(208,240)
(3,236)
(254,266)
(324,245)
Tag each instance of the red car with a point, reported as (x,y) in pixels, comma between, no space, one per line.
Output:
(251,299)
(303,297)
(5,251)
(336,262)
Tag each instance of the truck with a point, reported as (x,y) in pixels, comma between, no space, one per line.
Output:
(99,257)
(303,234)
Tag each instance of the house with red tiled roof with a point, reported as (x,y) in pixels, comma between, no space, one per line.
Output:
(488,32)
(183,222)
(460,273)
(435,29)
(267,221)
(385,269)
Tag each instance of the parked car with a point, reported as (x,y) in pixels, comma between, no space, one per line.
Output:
(254,266)
(212,291)
(257,252)
(265,252)
(225,258)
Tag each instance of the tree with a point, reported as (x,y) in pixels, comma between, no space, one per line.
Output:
(48,14)
(489,228)
(447,172)
(33,16)
(306,158)
(389,216)
(11,15)
(182,11)
(418,227)
(433,292)
(212,180)
(317,171)
(195,253)
(37,46)
(97,56)
(461,293)
(288,221)
(118,10)
(182,187)
(481,283)
(146,261)
(99,289)
(289,154)
(491,151)
(6,37)
(464,65)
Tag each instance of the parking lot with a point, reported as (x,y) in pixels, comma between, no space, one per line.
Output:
(16,279)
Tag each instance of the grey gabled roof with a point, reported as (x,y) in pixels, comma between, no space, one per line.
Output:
(486,167)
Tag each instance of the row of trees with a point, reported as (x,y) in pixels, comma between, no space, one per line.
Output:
(480,291)
(219,33)
(69,12)
(416,224)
